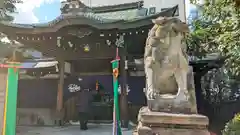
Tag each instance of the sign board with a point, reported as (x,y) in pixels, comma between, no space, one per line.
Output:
(74,88)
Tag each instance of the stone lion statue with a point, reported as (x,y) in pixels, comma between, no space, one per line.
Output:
(166,65)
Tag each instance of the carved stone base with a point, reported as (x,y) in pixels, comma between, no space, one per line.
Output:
(160,123)
(172,105)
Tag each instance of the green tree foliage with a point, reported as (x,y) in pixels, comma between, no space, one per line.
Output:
(217,30)
(7,7)
(233,126)
(218,87)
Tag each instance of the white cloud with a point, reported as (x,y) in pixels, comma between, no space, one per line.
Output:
(25,10)
(25,17)
(45,18)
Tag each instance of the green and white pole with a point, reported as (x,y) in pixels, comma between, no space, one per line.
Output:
(10,107)
(116,111)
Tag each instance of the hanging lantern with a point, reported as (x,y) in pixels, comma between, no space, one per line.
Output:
(97,85)
(86,48)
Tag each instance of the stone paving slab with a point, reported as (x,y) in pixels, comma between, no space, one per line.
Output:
(70,130)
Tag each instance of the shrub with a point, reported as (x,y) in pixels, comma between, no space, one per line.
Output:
(233,126)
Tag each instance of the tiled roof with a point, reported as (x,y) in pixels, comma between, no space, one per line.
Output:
(37,59)
(124,15)
(118,7)
(103,20)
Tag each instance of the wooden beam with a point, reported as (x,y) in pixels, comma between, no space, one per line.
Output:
(124,85)
(59,107)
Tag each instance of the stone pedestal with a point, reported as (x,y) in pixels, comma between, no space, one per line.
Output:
(160,123)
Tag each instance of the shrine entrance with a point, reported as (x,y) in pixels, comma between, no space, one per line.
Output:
(84,40)
(38,84)
(102,90)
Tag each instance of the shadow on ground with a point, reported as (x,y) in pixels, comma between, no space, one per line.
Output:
(94,129)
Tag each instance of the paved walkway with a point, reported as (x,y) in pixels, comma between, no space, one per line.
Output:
(94,129)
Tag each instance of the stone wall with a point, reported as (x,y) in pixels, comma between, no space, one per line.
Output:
(3,80)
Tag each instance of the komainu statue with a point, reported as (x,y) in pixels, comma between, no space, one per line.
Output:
(169,79)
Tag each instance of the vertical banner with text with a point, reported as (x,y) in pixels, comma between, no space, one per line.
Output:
(116,111)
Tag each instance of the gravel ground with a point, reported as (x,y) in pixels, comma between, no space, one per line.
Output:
(94,129)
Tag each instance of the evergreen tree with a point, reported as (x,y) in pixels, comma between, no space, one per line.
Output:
(218,30)
(7,7)
(233,126)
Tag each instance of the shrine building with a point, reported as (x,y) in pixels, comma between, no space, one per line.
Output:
(83,41)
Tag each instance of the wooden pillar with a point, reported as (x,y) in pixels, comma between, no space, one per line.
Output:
(198,90)
(59,106)
(124,85)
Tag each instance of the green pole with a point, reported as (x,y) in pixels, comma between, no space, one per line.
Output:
(116,111)
(10,108)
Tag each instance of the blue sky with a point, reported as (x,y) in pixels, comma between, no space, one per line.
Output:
(40,11)
(47,12)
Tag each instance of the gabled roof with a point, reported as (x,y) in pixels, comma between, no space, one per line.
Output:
(87,18)
(76,6)
(30,57)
